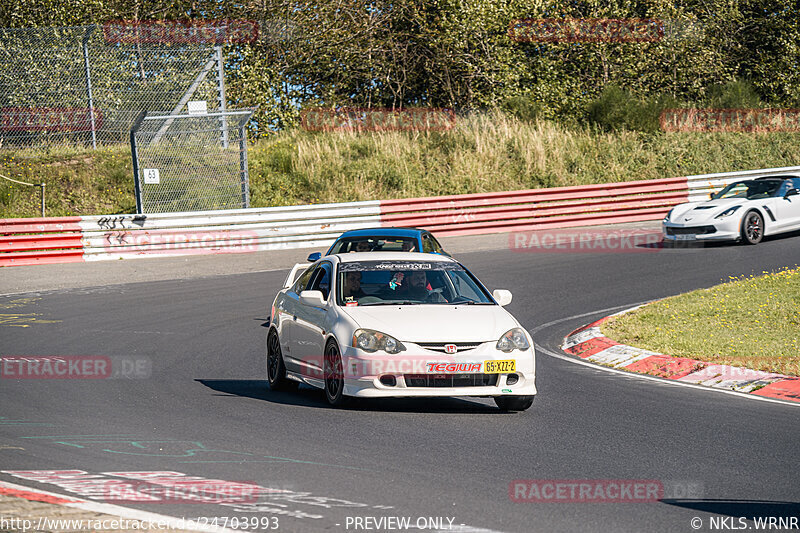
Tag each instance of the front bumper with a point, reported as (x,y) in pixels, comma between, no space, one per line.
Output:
(363,373)
(718,230)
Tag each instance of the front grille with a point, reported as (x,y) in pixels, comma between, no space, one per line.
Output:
(697,230)
(439,346)
(451,380)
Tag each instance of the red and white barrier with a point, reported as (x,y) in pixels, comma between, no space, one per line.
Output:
(93,238)
(590,344)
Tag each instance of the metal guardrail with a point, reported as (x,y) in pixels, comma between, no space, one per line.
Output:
(559,207)
(93,238)
(28,241)
(230,231)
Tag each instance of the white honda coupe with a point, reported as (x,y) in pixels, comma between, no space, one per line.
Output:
(397,324)
(744,210)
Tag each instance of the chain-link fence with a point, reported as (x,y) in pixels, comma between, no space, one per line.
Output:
(87,84)
(190,162)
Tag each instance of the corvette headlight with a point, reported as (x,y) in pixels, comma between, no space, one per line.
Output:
(370,340)
(511,339)
(666,218)
(728,212)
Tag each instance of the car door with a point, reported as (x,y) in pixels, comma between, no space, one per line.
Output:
(311,324)
(788,207)
(287,318)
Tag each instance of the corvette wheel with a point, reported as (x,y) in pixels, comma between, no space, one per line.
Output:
(752,228)
(513,403)
(334,375)
(276,370)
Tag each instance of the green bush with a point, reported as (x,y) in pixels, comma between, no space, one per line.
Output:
(616,110)
(738,94)
(523,108)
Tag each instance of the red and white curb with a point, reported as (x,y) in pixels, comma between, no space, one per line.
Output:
(590,344)
(168,522)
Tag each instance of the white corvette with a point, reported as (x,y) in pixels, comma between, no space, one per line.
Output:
(397,324)
(746,210)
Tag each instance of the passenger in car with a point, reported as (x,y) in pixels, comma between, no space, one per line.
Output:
(363,246)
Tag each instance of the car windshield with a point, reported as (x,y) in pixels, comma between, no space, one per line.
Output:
(365,283)
(750,189)
(374,244)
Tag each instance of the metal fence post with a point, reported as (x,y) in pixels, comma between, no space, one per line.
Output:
(135,156)
(221,96)
(243,165)
(85,43)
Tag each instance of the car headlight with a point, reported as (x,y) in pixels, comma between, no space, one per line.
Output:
(666,218)
(511,339)
(728,212)
(370,340)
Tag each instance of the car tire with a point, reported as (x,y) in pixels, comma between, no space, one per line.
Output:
(513,403)
(333,370)
(752,228)
(276,370)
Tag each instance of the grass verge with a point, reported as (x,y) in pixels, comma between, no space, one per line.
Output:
(750,321)
(484,152)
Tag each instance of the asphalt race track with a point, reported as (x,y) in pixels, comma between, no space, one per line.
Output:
(204,408)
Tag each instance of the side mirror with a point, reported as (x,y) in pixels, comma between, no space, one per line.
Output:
(791,192)
(502,297)
(312,298)
(314,257)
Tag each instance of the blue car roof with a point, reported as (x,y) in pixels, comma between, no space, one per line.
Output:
(383,232)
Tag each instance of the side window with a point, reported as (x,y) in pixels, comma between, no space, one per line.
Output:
(321,280)
(337,247)
(427,245)
(436,246)
(796,183)
(302,282)
(784,188)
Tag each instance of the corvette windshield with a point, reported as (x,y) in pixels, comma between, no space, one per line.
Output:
(367,283)
(750,189)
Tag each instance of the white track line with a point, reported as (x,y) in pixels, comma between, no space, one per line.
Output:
(124,512)
(636,375)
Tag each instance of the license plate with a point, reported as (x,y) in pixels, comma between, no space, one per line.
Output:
(499,367)
(687,237)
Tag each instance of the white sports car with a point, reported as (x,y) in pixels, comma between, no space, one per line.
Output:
(745,210)
(397,324)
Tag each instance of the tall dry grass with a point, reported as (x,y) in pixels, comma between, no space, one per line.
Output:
(484,152)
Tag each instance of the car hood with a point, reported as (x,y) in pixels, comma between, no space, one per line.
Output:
(435,323)
(694,212)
